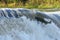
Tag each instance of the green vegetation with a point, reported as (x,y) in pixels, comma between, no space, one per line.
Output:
(30,4)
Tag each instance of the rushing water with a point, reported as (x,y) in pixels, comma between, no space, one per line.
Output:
(14,26)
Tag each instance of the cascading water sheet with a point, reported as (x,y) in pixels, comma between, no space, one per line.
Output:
(13,27)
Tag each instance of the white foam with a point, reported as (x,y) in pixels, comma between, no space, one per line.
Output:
(26,29)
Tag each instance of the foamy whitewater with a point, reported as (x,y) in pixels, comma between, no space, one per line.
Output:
(26,29)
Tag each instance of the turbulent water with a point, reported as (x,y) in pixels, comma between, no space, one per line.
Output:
(13,27)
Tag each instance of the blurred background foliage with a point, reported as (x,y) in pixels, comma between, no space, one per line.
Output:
(40,4)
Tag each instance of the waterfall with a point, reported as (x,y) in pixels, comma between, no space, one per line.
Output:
(21,24)
(55,17)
